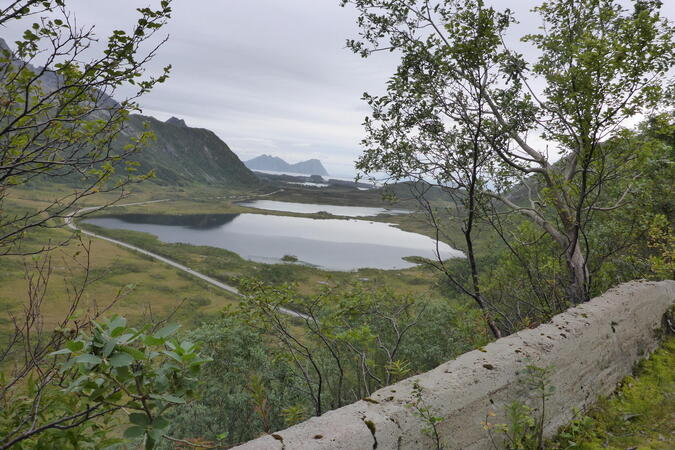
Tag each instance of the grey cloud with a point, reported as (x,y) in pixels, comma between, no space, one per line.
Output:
(269,76)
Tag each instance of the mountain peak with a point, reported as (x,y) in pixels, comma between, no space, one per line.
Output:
(182,155)
(176,122)
(274,163)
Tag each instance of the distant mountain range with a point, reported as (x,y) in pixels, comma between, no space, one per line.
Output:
(276,164)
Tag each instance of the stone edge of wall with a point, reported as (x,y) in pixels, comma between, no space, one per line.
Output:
(614,331)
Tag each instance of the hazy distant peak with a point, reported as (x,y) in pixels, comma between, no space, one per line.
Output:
(311,166)
(176,122)
(276,164)
(269,158)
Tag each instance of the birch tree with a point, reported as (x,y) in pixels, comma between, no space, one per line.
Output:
(596,66)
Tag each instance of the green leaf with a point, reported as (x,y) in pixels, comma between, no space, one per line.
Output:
(139,419)
(109,347)
(137,354)
(173,355)
(120,359)
(151,340)
(222,436)
(113,398)
(63,351)
(118,322)
(167,330)
(167,398)
(122,373)
(154,436)
(75,346)
(200,361)
(134,432)
(88,359)
(160,423)
(126,338)
(116,332)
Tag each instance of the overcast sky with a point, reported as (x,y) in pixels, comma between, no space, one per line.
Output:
(268,76)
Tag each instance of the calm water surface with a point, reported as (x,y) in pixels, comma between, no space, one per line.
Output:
(330,244)
(308,184)
(313,208)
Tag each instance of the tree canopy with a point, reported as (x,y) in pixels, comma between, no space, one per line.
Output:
(462,106)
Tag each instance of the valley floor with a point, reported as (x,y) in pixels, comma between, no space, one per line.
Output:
(145,287)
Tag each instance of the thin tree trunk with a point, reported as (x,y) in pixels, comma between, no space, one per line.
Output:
(477,295)
(577,289)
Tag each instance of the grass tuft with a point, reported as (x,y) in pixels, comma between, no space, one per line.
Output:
(640,415)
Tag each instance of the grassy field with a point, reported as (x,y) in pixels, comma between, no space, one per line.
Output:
(144,286)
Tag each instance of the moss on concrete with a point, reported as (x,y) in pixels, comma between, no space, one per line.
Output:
(640,415)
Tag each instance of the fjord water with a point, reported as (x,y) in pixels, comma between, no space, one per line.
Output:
(331,244)
(313,208)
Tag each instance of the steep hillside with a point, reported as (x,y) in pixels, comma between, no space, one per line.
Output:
(184,155)
(311,166)
(276,164)
(179,155)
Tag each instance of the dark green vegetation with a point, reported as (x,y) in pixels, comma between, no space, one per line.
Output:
(112,367)
(540,233)
(180,155)
(270,371)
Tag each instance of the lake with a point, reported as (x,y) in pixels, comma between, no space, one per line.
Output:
(313,208)
(308,184)
(330,244)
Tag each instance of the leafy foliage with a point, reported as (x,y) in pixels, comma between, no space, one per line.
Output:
(525,427)
(59,119)
(429,419)
(350,339)
(272,369)
(118,366)
(458,111)
(115,367)
(242,384)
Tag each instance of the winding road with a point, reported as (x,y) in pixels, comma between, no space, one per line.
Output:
(70,223)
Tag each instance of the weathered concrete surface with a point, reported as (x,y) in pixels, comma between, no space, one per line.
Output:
(590,347)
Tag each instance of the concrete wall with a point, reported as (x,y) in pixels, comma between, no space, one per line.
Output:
(591,348)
